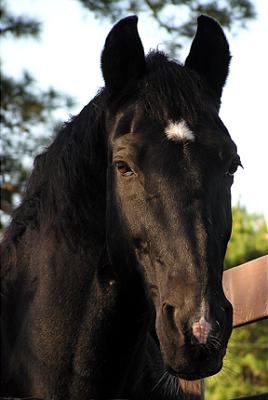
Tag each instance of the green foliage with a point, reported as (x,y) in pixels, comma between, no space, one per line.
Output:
(245,367)
(246,364)
(176,16)
(27,114)
(249,238)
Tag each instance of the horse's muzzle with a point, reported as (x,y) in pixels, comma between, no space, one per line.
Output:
(193,349)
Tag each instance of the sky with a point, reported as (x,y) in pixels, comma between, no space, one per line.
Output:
(67,56)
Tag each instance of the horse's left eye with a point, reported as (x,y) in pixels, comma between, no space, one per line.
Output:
(124,168)
(233,168)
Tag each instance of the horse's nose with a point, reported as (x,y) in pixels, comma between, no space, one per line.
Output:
(199,330)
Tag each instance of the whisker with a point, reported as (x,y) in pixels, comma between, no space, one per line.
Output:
(230,370)
(171,386)
(162,377)
(215,341)
(168,385)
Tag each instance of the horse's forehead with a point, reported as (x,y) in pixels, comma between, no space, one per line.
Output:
(210,131)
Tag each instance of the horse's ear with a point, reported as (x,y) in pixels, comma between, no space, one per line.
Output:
(209,54)
(122,59)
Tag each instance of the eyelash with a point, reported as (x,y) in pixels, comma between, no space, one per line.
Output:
(233,167)
(123,168)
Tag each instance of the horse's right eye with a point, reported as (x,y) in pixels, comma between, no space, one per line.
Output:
(233,167)
(123,168)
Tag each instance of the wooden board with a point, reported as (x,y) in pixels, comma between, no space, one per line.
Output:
(246,287)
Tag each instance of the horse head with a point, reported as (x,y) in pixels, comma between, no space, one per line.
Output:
(171,163)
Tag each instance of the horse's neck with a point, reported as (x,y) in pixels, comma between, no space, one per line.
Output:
(111,342)
(84,325)
(91,318)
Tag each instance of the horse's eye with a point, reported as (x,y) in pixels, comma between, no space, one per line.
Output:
(123,168)
(233,168)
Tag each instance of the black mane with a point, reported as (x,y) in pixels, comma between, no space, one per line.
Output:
(70,169)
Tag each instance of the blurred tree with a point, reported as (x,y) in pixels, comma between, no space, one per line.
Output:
(245,368)
(25,111)
(249,238)
(176,15)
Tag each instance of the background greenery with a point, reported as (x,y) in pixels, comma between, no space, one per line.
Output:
(245,367)
(28,113)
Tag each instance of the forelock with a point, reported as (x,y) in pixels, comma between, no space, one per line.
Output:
(170,91)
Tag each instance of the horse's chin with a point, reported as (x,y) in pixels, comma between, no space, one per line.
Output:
(185,365)
(194,375)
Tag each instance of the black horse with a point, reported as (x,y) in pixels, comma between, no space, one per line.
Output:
(112,265)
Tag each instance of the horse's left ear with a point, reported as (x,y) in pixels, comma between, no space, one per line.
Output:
(122,59)
(209,54)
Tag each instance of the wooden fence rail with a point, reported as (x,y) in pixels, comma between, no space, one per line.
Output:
(246,286)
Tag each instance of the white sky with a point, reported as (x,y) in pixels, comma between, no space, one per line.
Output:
(67,58)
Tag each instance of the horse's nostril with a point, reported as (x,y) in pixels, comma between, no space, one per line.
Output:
(224,316)
(169,312)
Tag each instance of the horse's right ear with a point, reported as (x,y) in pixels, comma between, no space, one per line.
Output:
(122,59)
